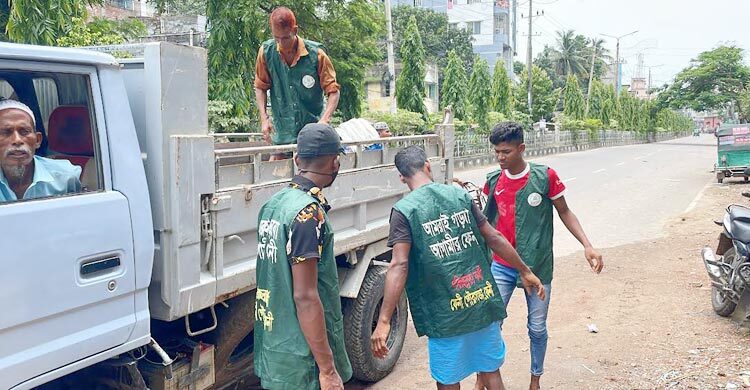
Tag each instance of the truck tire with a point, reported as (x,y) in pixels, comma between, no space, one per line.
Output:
(361,316)
(233,342)
(723,306)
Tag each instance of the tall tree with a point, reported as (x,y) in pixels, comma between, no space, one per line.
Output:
(502,93)
(596,101)
(41,22)
(573,102)
(453,92)
(596,51)
(438,37)
(480,92)
(712,81)
(544,95)
(410,85)
(569,55)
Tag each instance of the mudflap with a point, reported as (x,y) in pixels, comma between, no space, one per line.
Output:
(742,311)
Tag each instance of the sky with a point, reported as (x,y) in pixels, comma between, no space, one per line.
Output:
(670,32)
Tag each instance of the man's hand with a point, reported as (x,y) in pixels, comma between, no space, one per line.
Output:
(530,282)
(267,128)
(323,121)
(379,339)
(594,259)
(330,381)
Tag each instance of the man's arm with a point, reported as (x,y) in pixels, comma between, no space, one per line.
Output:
(395,280)
(502,248)
(571,222)
(333,103)
(327,76)
(262,84)
(310,313)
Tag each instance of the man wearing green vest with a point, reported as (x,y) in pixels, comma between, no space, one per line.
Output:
(439,239)
(521,196)
(298,73)
(299,336)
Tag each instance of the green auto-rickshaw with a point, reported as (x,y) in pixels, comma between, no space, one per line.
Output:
(733,157)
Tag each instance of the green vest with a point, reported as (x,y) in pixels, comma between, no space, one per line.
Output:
(296,94)
(534,225)
(283,359)
(450,286)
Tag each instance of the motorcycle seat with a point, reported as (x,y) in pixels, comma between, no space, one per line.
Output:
(739,218)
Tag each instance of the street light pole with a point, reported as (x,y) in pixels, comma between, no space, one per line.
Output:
(391,59)
(617,61)
(529,62)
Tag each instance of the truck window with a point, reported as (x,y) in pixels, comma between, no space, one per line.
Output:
(67,162)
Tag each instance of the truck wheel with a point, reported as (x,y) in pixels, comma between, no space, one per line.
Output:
(360,319)
(233,341)
(721,304)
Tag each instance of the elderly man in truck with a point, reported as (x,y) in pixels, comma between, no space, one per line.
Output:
(299,334)
(298,72)
(23,174)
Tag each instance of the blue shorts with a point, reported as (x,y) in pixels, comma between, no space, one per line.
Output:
(454,358)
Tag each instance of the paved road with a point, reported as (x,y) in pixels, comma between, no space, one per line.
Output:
(622,195)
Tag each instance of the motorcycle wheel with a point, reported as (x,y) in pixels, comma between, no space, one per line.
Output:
(721,304)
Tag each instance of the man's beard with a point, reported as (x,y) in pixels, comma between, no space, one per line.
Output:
(16,171)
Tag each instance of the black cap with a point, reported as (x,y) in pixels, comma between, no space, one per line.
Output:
(316,140)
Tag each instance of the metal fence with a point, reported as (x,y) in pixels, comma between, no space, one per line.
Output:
(475,150)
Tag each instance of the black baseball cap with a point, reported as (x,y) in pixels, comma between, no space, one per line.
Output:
(317,139)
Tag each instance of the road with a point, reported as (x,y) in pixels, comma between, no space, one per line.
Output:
(623,196)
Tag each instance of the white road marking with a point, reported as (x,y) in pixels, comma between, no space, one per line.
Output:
(697,199)
(569,180)
(620,164)
(599,171)
(639,157)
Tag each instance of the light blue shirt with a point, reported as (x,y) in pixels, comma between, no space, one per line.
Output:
(51,177)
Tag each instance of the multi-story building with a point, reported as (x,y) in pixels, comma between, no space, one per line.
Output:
(119,9)
(639,88)
(380,97)
(489,21)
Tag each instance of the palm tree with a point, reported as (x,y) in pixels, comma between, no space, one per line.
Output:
(598,55)
(569,55)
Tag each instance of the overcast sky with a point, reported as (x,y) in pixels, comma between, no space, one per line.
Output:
(670,32)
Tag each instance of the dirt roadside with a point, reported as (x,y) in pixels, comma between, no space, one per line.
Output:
(651,306)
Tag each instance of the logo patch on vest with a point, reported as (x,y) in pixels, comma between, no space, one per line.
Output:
(535,199)
(308,81)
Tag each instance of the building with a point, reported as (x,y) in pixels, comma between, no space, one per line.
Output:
(639,88)
(489,21)
(120,9)
(377,86)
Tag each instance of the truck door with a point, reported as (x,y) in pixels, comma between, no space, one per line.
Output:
(68,281)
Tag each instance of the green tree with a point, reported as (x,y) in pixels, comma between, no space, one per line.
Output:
(453,92)
(712,81)
(569,55)
(101,32)
(518,67)
(596,101)
(573,101)
(410,85)
(41,22)
(480,93)
(546,60)
(502,93)
(608,113)
(438,37)
(544,95)
(744,105)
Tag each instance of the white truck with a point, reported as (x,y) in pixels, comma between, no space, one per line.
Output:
(146,277)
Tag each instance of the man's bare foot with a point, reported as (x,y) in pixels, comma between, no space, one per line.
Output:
(534,384)
(479,385)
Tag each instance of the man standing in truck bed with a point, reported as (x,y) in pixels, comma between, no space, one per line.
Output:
(299,334)
(298,73)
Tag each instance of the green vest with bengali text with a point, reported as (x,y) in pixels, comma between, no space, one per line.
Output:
(450,286)
(283,359)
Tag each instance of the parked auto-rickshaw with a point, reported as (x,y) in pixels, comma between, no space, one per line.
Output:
(733,156)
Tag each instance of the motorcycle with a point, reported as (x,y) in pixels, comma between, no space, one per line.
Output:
(729,267)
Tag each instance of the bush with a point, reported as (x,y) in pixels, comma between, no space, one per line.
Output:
(401,123)
(221,118)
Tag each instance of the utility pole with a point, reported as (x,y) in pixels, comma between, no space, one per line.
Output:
(391,58)
(529,60)
(649,77)
(515,29)
(617,60)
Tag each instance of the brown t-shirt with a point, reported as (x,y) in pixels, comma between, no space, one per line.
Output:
(326,72)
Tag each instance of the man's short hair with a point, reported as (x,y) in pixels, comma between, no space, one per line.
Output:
(283,17)
(410,160)
(510,132)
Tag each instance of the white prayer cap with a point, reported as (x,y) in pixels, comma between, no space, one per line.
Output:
(6,104)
